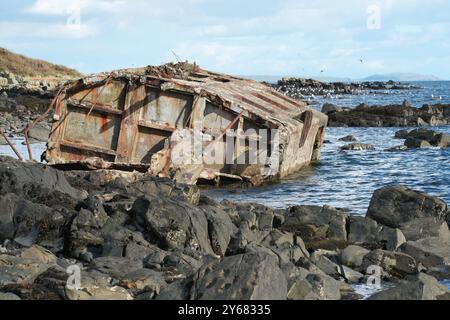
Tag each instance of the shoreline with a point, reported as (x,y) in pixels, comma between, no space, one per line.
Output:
(165,241)
(144,238)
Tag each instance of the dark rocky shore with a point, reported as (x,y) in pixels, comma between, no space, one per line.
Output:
(298,88)
(404,115)
(137,237)
(21,102)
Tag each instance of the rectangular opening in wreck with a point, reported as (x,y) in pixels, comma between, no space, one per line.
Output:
(168,108)
(101,131)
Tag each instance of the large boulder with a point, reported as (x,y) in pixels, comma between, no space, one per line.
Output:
(329,108)
(367,232)
(220,229)
(116,267)
(422,134)
(394,263)
(353,256)
(394,206)
(144,281)
(28,223)
(37,183)
(176,291)
(96,286)
(442,140)
(425,138)
(25,267)
(251,276)
(166,188)
(314,286)
(314,224)
(172,224)
(425,228)
(256,216)
(418,287)
(287,247)
(413,143)
(431,252)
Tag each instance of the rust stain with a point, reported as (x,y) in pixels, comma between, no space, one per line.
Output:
(127,116)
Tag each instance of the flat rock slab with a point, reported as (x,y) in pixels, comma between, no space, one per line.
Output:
(431,252)
(394,206)
(252,276)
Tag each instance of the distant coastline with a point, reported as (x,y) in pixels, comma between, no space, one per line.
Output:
(398,77)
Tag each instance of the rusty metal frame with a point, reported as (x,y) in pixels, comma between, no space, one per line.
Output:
(135,128)
(12,146)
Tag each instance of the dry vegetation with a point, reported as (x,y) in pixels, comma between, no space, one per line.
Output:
(33,68)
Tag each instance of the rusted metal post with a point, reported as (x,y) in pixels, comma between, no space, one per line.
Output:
(13,147)
(107,81)
(39,119)
(228,128)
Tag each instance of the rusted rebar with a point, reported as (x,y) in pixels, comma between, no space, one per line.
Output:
(39,119)
(13,147)
(107,82)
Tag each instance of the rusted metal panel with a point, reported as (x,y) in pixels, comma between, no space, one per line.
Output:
(126,119)
(100,130)
(134,101)
(171,109)
(94,107)
(111,95)
(149,142)
(217,118)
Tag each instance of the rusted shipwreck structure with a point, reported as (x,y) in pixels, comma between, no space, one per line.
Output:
(124,120)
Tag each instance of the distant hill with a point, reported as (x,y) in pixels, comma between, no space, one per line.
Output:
(401,77)
(32,68)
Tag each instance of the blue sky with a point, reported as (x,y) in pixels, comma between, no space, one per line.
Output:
(261,37)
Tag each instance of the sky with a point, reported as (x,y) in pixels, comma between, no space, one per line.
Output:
(347,38)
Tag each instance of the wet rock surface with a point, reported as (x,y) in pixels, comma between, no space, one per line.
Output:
(423,138)
(394,206)
(419,287)
(358,147)
(136,237)
(403,115)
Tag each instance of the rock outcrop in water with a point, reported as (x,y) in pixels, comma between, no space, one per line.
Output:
(298,88)
(403,115)
(136,237)
(421,138)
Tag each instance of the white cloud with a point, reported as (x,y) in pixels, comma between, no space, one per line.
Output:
(15,30)
(256,37)
(64,7)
